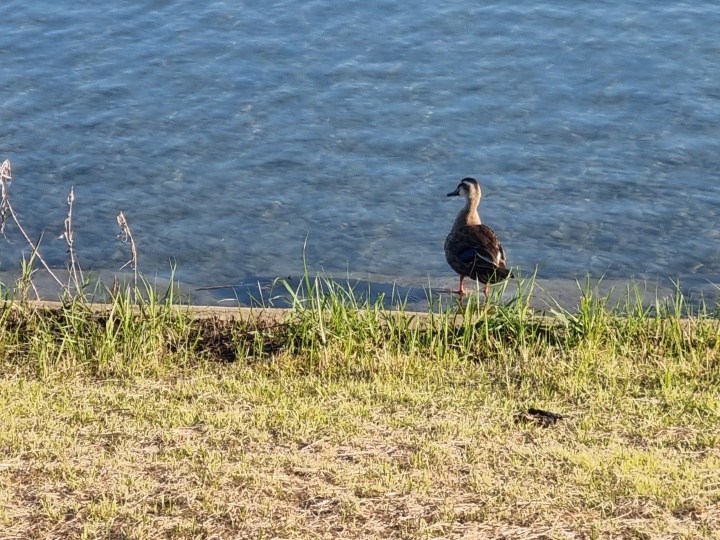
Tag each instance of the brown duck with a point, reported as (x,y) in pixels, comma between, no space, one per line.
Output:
(472,249)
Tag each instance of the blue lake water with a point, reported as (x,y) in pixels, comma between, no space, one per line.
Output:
(230,133)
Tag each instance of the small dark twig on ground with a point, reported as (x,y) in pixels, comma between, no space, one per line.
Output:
(538,416)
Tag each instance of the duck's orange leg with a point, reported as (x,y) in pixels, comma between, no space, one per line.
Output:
(461,290)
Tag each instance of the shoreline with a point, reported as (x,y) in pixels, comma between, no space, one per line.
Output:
(416,295)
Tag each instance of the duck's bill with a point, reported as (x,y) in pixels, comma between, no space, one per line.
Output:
(454,193)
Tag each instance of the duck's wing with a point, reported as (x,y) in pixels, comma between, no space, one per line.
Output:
(479,245)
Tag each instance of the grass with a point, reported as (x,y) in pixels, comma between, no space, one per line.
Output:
(345,420)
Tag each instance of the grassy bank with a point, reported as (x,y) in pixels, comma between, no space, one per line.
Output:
(343,420)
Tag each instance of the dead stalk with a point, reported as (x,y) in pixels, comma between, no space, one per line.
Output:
(126,236)
(76,275)
(6,207)
(5,180)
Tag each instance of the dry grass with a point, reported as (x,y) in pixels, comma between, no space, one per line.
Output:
(305,434)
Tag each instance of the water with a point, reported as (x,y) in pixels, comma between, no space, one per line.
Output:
(231,134)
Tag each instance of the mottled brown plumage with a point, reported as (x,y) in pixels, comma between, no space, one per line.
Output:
(473,249)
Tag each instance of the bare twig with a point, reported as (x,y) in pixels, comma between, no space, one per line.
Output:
(6,207)
(25,281)
(75,274)
(126,236)
(5,180)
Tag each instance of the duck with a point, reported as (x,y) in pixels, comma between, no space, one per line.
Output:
(473,249)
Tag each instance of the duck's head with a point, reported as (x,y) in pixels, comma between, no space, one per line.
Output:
(468,188)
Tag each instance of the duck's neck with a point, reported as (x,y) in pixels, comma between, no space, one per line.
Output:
(469,214)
